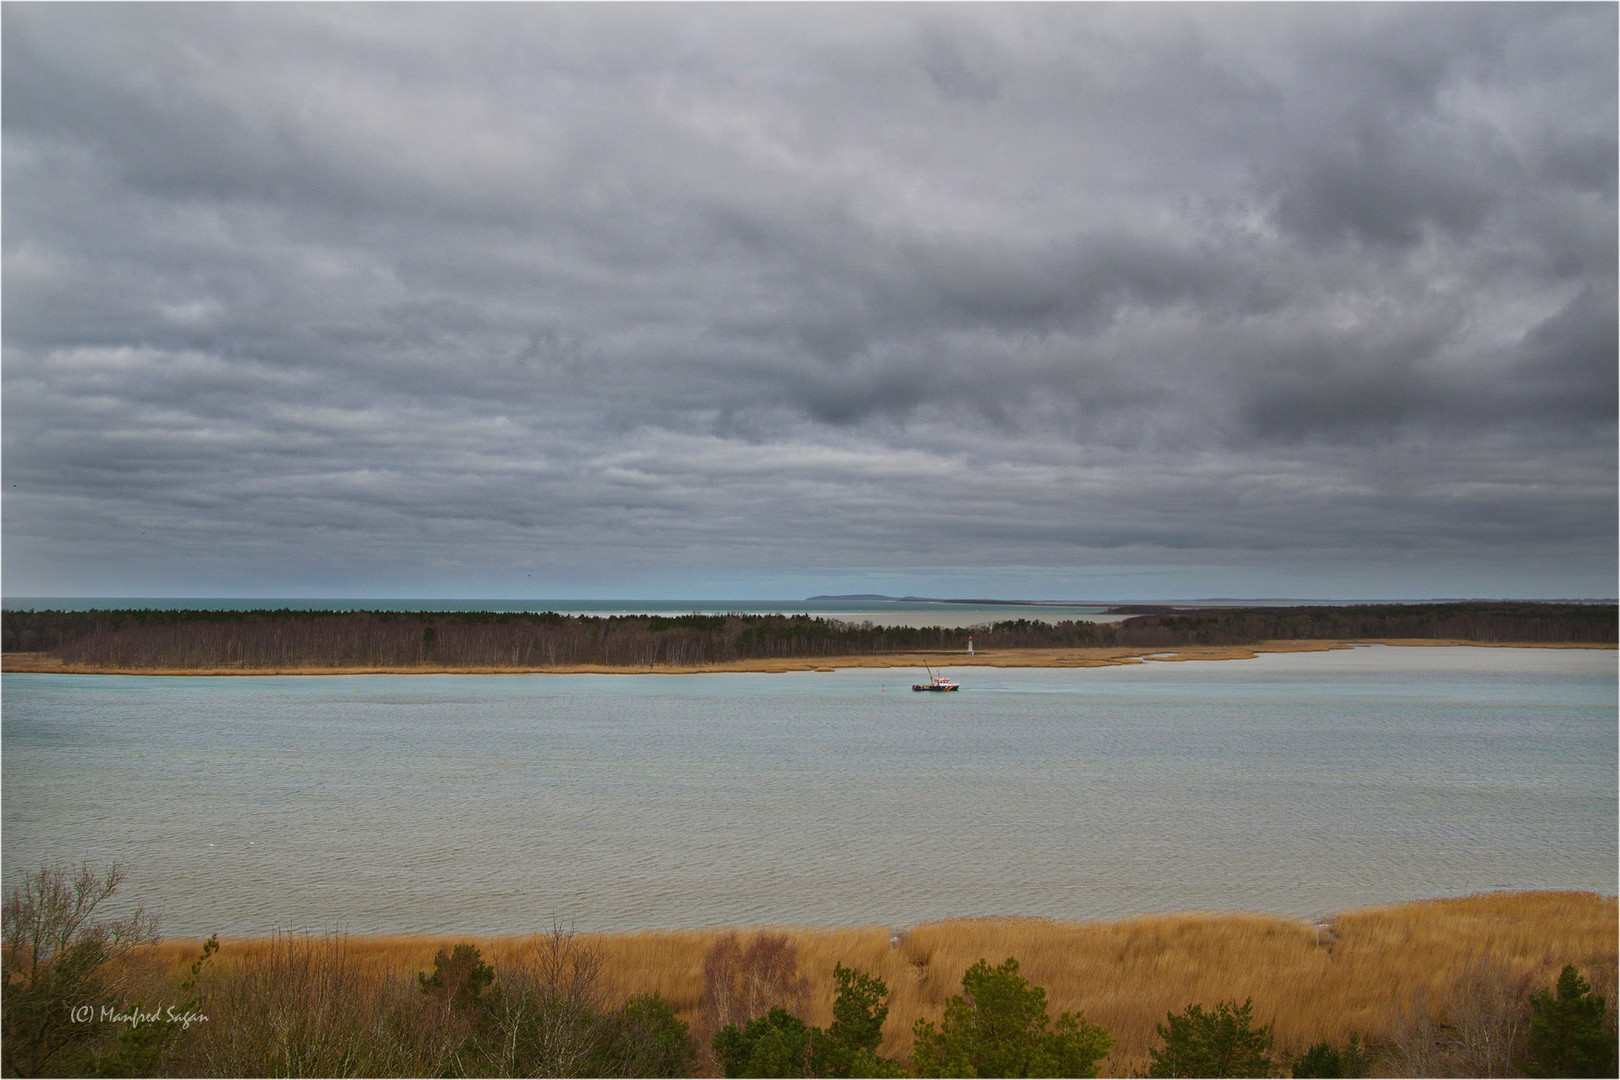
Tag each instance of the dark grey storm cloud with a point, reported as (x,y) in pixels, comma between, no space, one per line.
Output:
(687,299)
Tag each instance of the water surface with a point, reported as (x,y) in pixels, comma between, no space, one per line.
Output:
(1293,783)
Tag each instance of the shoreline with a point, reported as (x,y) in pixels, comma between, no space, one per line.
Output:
(424,941)
(1048,657)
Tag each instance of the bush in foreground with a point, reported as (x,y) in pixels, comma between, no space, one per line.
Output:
(774,1045)
(779,1044)
(1219,1043)
(1326,1060)
(998,1026)
(63,961)
(1568,1035)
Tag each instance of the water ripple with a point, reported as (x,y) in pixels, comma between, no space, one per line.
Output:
(1303,784)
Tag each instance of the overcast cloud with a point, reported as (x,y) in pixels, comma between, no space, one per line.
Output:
(687,300)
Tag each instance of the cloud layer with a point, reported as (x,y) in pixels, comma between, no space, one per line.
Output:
(686,299)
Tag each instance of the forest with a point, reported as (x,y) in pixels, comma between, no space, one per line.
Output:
(284,638)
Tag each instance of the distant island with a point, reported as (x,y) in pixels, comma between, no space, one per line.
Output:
(146,641)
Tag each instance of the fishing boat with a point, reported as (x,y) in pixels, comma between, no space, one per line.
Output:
(936,682)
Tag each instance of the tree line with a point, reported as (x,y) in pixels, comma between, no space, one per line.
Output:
(284,638)
(76,982)
(1467,621)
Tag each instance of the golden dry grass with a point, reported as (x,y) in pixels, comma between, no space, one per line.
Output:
(1123,974)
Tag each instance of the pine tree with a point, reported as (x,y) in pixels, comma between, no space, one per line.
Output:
(1219,1043)
(1325,1060)
(459,978)
(998,1026)
(849,1046)
(780,1044)
(774,1045)
(1567,1032)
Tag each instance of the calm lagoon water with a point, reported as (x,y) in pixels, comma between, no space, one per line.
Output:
(1296,783)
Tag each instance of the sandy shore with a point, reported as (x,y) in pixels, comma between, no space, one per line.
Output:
(45,663)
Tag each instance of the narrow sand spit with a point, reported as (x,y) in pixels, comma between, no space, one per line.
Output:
(45,663)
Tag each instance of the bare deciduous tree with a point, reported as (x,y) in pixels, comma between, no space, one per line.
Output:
(60,959)
(1478,1030)
(1486,1018)
(547,1011)
(1414,1037)
(740,984)
(300,1007)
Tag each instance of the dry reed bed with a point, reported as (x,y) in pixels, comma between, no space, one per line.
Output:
(1124,974)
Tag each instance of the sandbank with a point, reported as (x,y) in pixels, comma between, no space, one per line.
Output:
(1049,657)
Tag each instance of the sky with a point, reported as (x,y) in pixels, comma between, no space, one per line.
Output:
(1112,302)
